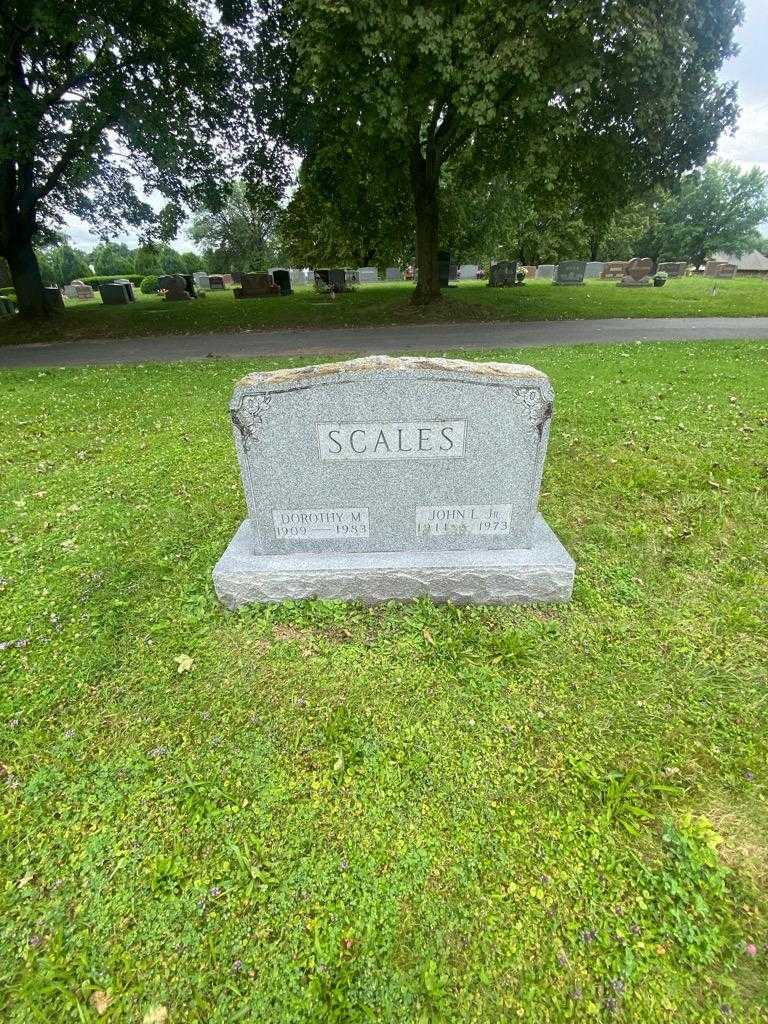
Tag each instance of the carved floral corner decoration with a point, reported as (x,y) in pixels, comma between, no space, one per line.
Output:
(247,418)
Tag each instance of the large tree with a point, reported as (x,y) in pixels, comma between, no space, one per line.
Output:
(92,99)
(239,235)
(715,209)
(526,85)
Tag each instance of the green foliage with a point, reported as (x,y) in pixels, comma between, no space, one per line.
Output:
(89,103)
(111,258)
(66,264)
(240,234)
(717,209)
(632,90)
(327,818)
(149,285)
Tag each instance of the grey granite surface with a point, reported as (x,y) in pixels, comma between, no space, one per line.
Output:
(542,572)
(381,478)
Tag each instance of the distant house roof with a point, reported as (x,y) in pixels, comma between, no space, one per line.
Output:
(749,261)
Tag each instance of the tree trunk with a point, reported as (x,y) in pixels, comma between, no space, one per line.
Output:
(424,181)
(27,282)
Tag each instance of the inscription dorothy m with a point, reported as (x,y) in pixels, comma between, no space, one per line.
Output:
(388,461)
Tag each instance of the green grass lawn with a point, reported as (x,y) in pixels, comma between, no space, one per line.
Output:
(399,814)
(390,304)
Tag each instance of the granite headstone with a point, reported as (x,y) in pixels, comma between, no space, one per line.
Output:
(387,478)
(393,274)
(593,269)
(570,272)
(546,270)
(503,274)
(114,294)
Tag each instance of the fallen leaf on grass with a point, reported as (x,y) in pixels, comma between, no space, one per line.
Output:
(157,1015)
(100,1001)
(184,662)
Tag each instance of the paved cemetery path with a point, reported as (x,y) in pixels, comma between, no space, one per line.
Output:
(367,340)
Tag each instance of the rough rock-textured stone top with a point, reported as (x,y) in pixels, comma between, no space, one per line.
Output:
(388,363)
(392,454)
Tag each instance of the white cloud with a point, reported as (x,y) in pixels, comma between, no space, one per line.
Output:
(748,146)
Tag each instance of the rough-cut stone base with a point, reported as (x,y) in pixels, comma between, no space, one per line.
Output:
(543,572)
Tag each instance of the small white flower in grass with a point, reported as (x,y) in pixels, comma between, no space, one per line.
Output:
(184,662)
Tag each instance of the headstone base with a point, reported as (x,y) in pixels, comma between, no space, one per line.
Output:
(542,573)
(632,282)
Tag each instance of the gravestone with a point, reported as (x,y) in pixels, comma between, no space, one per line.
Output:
(70,291)
(257,286)
(216,282)
(228,280)
(674,269)
(331,279)
(175,287)
(114,294)
(468,272)
(593,269)
(282,279)
(503,274)
(128,286)
(83,291)
(453,272)
(393,274)
(387,478)
(202,281)
(443,268)
(53,298)
(530,273)
(7,306)
(570,272)
(367,275)
(719,269)
(638,273)
(614,270)
(546,270)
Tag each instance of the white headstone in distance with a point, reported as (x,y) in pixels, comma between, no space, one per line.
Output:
(593,269)
(202,280)
(393,274)
(546,270)
(367,275)
(386,478)
(468,271)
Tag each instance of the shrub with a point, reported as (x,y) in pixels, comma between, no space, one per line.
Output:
(149,285)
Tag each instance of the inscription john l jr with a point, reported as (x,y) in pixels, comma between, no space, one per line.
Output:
(385,478)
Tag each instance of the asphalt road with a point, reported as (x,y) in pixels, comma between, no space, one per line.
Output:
(369,340)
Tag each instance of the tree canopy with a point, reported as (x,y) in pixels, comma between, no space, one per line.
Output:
(91,101)
(240,234)
(717,208)
(626,94)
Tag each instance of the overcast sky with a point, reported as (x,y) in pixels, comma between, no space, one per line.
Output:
(747,146)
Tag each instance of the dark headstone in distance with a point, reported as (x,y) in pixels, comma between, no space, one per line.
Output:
(113,294)
(7,307)
(282,279)
(570,272)
(237,277)
(503,274)
(332,279)
(216,282)
(175,287)
(443,268)
(257,286)
(53,298)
